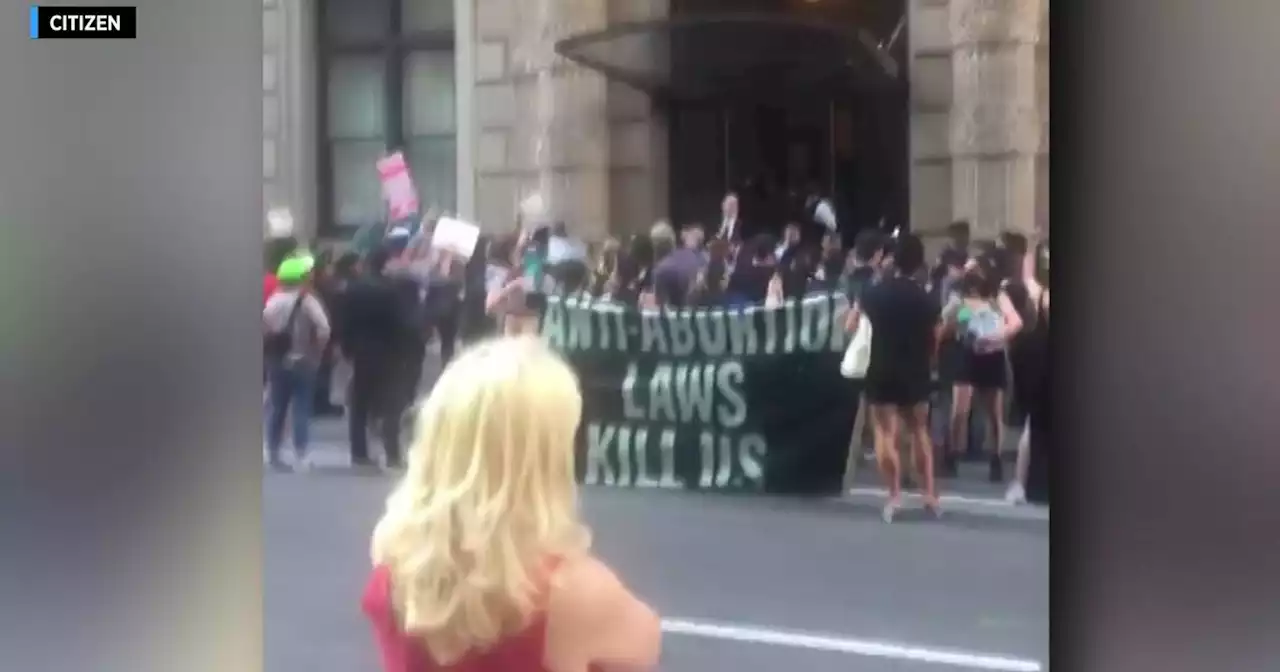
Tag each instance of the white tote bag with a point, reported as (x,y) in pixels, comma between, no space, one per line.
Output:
(858,355)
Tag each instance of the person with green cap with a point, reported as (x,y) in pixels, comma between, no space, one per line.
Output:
(295,333)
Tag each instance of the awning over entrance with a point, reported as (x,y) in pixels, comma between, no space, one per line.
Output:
(708,57)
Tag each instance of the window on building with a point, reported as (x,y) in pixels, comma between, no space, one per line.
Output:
(387,84)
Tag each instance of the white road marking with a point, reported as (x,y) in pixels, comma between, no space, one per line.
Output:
(859,647)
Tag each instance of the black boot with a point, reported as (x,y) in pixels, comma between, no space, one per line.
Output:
(995,470)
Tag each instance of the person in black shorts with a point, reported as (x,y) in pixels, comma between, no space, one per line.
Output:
(904,321)
(984,320)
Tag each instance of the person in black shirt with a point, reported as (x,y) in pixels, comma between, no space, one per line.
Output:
(904,322)
(382,337)
(1027,348)
(754,270)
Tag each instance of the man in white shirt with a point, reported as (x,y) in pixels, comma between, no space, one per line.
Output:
(824,213)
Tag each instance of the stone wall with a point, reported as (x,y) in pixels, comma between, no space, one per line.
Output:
(979,114)
(288,110)
(594,149)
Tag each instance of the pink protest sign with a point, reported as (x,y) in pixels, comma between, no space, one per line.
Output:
(397,187)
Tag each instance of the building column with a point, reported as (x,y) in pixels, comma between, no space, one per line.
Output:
(540,121)
(995,124)
(288,102)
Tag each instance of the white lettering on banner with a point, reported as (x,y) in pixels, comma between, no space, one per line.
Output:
(630,408)
(696,401)
(629,445)
(683,338)
(812,325)
(742,332)
(771,331)
(599,438)
(789,344)
(553,325)
(694,387)
(613,329)
(580,324)
(652,338)
(662,399)
(711,332)
(722,453)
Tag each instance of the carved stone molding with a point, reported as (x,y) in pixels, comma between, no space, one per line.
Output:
(995,127)
(995,195)
(994,21)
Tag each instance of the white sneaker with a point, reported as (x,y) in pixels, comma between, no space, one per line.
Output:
(1016,494)
(889,510)
(304,463)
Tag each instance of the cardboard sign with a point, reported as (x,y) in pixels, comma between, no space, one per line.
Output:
(397,187)
(455,236)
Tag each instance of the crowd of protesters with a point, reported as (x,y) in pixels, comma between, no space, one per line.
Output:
(972,327)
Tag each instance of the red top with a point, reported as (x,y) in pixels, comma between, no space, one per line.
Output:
(269,286)
(521,652)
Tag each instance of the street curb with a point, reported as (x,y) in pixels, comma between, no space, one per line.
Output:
(332,459)
(969,506)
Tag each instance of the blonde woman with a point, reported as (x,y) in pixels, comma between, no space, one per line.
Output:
(481,561)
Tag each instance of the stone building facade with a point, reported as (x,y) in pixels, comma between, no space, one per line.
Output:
(523,119)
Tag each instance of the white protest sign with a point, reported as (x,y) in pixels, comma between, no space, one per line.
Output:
(560,250)
(455,236)
(397,186)
(279,223)
(533,210)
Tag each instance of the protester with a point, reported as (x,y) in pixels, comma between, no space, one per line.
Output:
(831,264)
(296,332)
(791,243)
(1038,395)
(481,559)
(731,228)
(507,289)
(605,267)
(443,300)
(1027,351)
(753,272)
(633,277)
(379,335)
(863,270)
(899,377)
(676,273)
(984,320)
(709,288)
(277,250)
(475,324)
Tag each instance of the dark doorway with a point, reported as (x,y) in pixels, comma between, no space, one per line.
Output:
(790,100)
(845,137)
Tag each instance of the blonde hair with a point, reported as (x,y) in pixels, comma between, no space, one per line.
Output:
(488,498)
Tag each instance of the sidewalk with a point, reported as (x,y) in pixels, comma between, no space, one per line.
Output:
(970,492)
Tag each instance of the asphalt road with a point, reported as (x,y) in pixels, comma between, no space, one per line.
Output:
(743,583)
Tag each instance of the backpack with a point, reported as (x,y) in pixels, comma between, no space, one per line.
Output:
(276,344)
(979,325)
